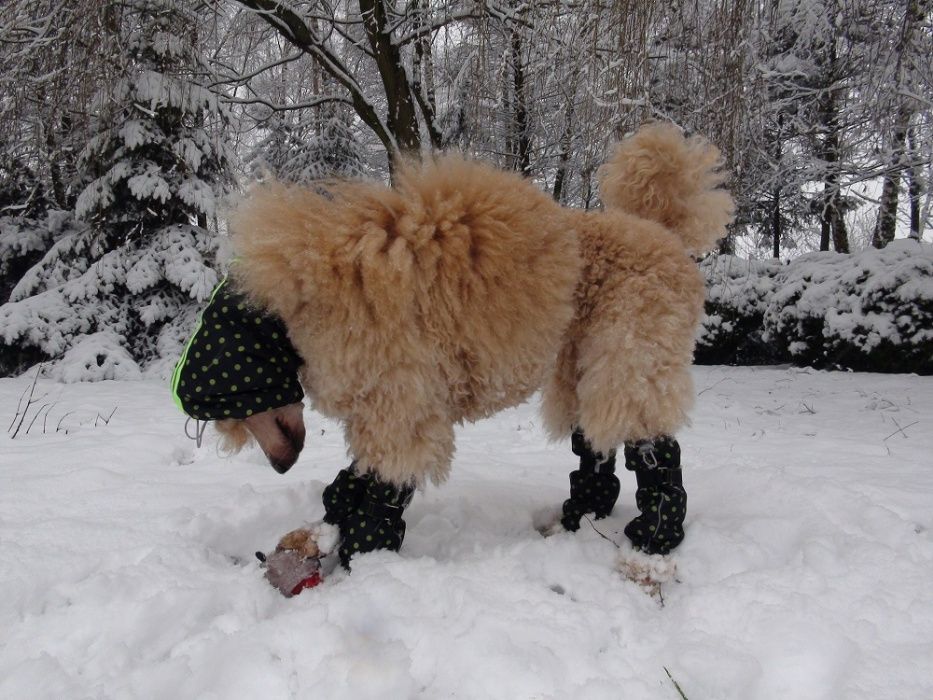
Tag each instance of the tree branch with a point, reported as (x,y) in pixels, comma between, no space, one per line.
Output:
(250,76)
(286,107)
(294,30)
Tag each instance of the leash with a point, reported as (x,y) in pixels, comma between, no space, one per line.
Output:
(199,428)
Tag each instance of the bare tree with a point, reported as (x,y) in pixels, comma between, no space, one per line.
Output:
(380,35)
(905,106)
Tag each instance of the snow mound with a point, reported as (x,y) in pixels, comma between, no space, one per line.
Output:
(96,357)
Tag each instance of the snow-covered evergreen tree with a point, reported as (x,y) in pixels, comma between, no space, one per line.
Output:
(22,201)
(302,151)
(143,257)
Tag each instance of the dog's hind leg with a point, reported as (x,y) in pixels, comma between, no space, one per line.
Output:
(661,498)
(594,487)
(633,365)
(639,395)
(633,349)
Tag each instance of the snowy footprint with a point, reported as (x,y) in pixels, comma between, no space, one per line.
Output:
(648,571)
(547,521)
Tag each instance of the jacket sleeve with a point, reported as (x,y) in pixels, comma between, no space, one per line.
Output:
(238,362)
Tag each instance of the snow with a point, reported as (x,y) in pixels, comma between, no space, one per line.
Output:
(18,240)
(139,132)
(95,357)
(127,570)
(150,184)
(158,90)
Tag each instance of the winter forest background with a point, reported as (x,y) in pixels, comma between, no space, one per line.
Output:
(125,126)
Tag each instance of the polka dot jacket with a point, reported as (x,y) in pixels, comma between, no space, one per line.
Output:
(238,362)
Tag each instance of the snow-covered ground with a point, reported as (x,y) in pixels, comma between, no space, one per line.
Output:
(126,560)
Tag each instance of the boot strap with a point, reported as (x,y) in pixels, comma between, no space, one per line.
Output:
(383,511)
(659,477)
(387,502)
(590,461)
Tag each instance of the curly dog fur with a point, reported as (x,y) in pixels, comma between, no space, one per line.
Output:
(464,289)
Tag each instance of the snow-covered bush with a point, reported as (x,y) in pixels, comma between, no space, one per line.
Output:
(737,294)
(140,255)
(95,357)
(870,311)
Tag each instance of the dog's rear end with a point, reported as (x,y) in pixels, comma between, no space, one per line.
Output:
(623,373)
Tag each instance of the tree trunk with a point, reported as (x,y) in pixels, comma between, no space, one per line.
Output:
(422,78)
(825,226)
(566,139)
(832,223)
(914,187)
(776,232)
(294,30)
(402,118)
(586,175)
(840,230)
(522,142)
(886,223)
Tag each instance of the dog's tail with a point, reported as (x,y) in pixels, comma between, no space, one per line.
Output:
(662,176)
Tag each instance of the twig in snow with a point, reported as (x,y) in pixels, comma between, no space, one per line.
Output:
(44,407)
(807,408)
(46,420)
(107,419)
(59,426)
(596,530)
(700,393)
(19,404)
(900,429)
(676,684)
(29,402)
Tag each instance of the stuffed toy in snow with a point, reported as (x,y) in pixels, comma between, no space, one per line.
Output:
(459,292)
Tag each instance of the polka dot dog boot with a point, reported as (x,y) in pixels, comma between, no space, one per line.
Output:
(594,487)
(660,497)
(377,522)
(344,494)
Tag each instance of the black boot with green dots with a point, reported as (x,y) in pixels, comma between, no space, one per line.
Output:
(368,512)
(594,487)
(344,494)
(661,498)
